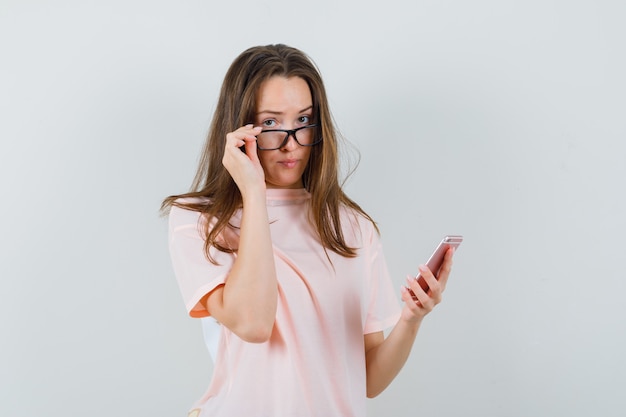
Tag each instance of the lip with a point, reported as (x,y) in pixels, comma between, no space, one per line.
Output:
(289,163)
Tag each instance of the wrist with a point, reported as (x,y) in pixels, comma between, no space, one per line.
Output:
(410,321)
(254,195)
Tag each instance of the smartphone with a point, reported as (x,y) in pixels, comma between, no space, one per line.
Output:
(436,259)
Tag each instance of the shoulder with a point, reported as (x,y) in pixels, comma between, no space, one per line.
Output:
(186,211)
(356,225)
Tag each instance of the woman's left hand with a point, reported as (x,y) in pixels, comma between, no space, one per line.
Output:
(417,302)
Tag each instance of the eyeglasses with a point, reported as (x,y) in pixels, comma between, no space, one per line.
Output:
(272,139)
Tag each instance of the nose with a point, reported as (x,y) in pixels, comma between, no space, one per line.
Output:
(291,143)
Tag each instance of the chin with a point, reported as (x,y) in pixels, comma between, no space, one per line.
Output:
(285,184)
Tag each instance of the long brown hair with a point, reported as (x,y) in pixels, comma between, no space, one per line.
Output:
(235,108)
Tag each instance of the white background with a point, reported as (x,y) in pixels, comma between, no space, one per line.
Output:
(502,120)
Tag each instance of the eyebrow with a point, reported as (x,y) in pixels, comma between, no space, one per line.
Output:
(279,112)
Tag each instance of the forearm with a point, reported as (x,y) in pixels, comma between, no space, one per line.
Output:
(385,360)
(249,297)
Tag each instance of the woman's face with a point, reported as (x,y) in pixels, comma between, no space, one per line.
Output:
(284,103)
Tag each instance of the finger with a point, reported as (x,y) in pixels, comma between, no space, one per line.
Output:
(409,298)
(429,277)
(235,140)
(246,133)
(410,293)
(242,139)
(435,288)
(446,267)
(419,295)
(251,147)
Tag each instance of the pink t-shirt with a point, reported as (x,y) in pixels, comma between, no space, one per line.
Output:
(314,363)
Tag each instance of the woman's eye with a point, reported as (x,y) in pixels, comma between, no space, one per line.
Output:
(305,120)
(269,123)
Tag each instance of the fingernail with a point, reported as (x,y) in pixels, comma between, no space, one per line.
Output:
(422,268)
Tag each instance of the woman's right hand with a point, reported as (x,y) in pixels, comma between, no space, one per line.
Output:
(247,302)
(245,168)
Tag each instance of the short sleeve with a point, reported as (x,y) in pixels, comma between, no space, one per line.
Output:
(383,309)
(195,274)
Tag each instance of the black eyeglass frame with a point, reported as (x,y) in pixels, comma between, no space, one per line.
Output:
(290,132)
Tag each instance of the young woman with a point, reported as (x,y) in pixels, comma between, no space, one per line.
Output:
(268,245)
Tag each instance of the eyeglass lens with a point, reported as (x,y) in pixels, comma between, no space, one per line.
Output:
(275,138)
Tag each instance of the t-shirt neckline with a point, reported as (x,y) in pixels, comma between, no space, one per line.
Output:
(286,196)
